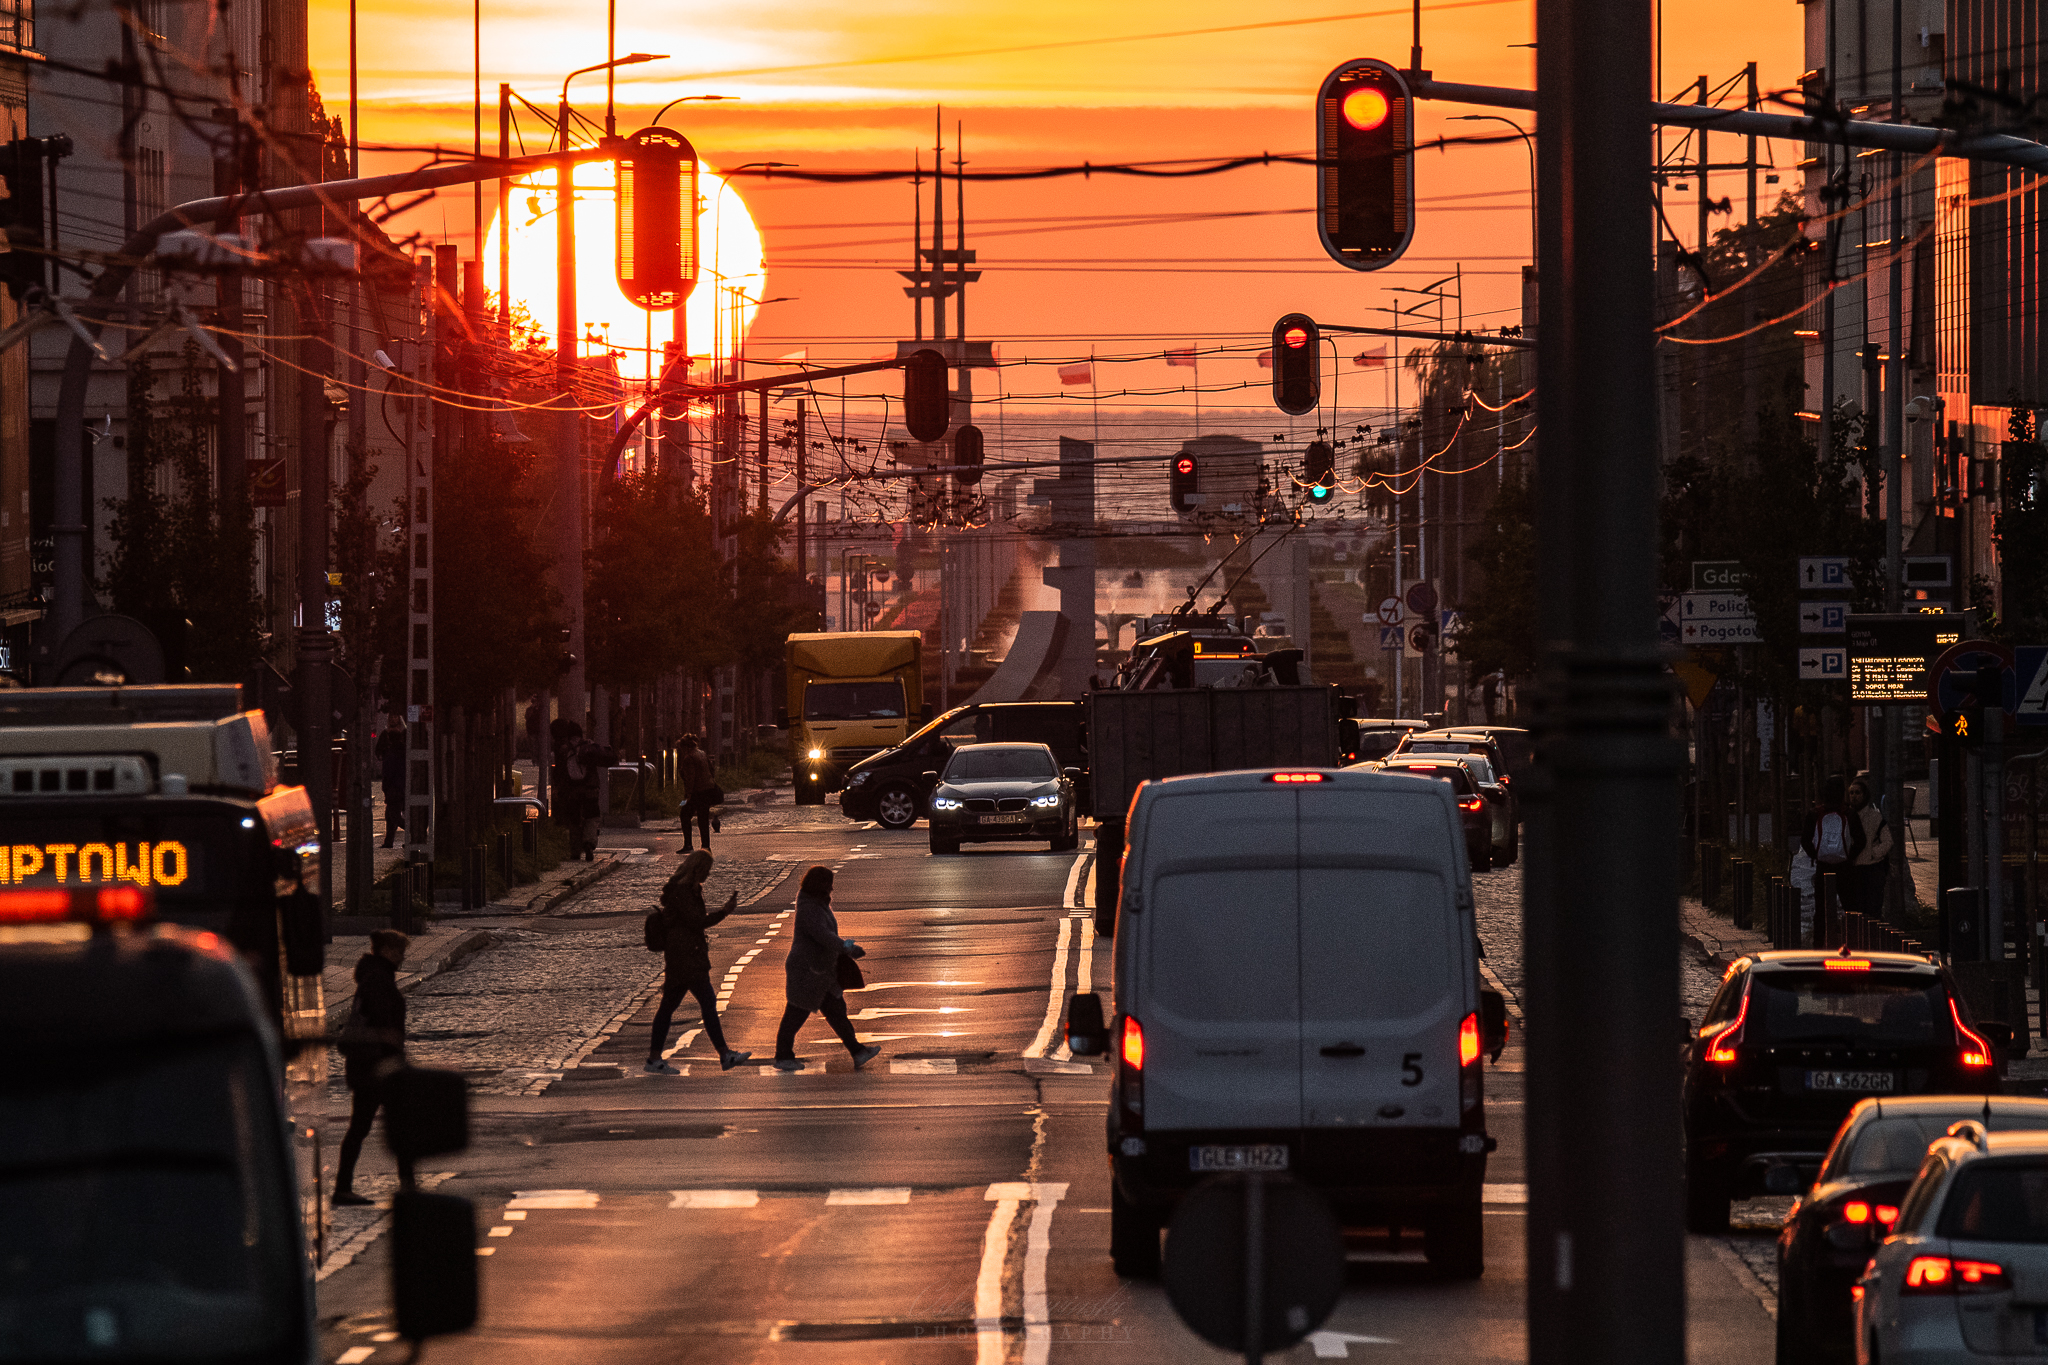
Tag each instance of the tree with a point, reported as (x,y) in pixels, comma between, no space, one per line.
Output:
(653,600)
(2020,531)
(496,618)
(1499,622)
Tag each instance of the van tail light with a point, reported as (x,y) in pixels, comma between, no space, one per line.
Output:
(1468,1040)
(1471,803)
(1130,1075)
(1976,1052)
(1941,1275)
(1721,1045)
(1132,1049)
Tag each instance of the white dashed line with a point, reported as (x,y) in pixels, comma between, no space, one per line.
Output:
(924,1066)
(504,1230)
(355,1355)
(866,1197)
(552,1199)
(714,1199)
(486,1251)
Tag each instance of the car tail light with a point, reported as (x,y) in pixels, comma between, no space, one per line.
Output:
(1296,777)
(1940,1275)
(1848,964)
(1856,1211)
(1471,803)
(1887,1214)
(1855,1293)
(1133,1047)
(1976,1052)
(1721,1046)
(1468,1040)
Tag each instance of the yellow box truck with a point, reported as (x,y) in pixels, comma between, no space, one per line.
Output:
(850,695)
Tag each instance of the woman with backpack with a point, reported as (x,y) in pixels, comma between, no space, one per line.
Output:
(1832,840)
(677,932)
(1872,863)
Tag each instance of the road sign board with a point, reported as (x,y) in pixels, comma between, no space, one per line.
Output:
(1927,571)
(1715,606)
(1421,598)
(2030,669)
(1390,637)
(1716,575)
(1824,572)
(1720,630)
(1823,618)
(1829,664)
(1419,638)
(1889,654)
(1952,676)
(1390,611)
(1667,618)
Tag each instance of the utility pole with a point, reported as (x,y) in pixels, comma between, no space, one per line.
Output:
(568,430)
(420,719)
(1606,1254)
(316,646)
(1894,465)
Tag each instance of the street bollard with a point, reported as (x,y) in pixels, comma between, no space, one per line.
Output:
(505,859)
(1745,871)
(401,902)
(1824,931)
(1710,874)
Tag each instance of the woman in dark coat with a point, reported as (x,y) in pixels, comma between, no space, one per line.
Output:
(813,973)
(686,960)
(372,1046)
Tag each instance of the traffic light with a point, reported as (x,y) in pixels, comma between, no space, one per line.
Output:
(927,407)
(657,257)
(968,452)
(1297,365)
(1184,483)
(1319,470)
(1365,189)
(23,212)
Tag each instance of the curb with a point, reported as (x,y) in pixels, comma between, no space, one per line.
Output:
(1714,949)
(449,955)
(548,900)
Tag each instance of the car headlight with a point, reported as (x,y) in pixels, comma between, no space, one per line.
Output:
(946,803)
(1047,802)
(815,753)
(858,779)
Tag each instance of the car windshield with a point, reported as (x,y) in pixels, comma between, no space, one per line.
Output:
(1998,1201)
(881,700)
(1460,780)
(979,764)
(148,1215)
(1857,1007)
(1898,1144)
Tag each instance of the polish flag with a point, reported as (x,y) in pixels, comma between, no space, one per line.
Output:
(1371,360)
(1265,360)
(1083,373)
(1183,357)
(796,357)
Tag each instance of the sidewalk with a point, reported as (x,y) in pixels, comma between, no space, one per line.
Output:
(1717,939)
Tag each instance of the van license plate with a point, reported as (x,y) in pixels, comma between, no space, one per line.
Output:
(1270,1156)
(1020,818)
(1850,1080)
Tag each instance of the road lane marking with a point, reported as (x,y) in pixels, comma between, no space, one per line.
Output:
(486,1251)
(925,1066)
(862,1198)
(515,1217)
(1506,1194)
(1337,1345)
(1056,996)
(714,1199)
(1038,1246)
(552,1199)
(1081,861)
(988,1284)
(355,1355)
(504,1230)
(1084,960)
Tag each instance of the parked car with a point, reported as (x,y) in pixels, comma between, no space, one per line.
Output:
(1793,1039)
(1964,1275)
(1474,812)
(1297,990)
(891,788)
(994,792)
(1832,1231)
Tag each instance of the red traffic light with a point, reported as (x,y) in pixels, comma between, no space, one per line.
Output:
(1366,108)
(927,407)
(1297,364)
(1184,465)
(1294,338)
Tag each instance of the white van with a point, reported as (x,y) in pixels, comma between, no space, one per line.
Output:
(1297,989)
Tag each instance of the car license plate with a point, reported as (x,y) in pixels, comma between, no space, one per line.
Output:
(1850,1080)
(1268,1156)
(1018,818)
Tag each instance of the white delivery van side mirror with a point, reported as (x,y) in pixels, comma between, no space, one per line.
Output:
(1087,1032)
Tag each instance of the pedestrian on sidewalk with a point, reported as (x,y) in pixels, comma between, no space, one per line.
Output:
(1872,863)
(1832,840)
(812,973)
(391,746)
(372,1048)
(700,789)
(577,770)
(686,960)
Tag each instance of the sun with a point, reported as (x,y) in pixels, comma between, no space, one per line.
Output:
(732,277)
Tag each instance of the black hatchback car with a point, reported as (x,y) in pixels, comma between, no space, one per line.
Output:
(1793,1040)
(1833,1229)
(892,787)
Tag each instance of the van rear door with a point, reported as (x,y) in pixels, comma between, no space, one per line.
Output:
(1220,992)
(1383,961)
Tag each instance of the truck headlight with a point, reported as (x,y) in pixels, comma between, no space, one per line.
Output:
(815,753)
(945,803)
(1047,802)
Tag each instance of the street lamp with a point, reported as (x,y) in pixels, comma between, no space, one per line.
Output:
(630,59)
(685,99)
(1531,145)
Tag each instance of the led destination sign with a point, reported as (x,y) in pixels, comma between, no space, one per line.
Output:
(1889,654)
(164,862)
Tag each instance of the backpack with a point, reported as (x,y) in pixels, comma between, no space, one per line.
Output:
(654,932)
(1832,843)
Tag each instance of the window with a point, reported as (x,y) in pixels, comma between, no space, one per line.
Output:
(1726,1002)
(989,764)
(1835,1007)
(1998,1201)
(1894,1144)
(1921,1195)
(1460,780)
(881,700)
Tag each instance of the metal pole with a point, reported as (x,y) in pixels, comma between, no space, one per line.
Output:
(1893,717)
(1606,1253)
(505,214)
(316,646)
(568,433)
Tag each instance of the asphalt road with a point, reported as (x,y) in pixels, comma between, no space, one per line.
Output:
(948,1203)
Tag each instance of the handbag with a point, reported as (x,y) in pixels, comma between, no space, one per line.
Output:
(713,795)
(849,975)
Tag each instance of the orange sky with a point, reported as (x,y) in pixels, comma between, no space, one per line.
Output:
(866,100)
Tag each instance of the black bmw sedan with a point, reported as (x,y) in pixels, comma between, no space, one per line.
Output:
(1003,791)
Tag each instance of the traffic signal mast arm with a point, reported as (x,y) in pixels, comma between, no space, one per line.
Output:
(1458,338)
(1900,137)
